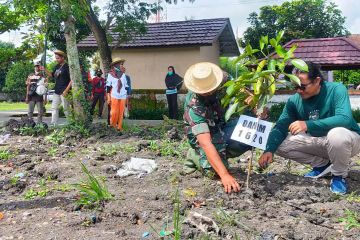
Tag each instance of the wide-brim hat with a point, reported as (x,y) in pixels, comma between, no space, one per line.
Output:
(117,60)
(60,53)
(203,77)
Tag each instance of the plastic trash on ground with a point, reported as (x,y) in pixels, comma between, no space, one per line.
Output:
(137,166)
(205,224)
(3,138)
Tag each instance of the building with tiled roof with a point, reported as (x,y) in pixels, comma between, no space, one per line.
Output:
(179,44)
(330,53)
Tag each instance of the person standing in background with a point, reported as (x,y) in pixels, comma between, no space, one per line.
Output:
(116,93)
(173,84)
(128,90)
(33,95)
(63,83)
(98,92)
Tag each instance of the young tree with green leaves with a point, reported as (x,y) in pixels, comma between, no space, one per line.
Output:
(262,75)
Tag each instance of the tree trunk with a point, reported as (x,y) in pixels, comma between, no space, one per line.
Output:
(101,39)
(73,61)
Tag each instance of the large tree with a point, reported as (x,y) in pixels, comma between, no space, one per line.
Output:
(298,18)
(124,17)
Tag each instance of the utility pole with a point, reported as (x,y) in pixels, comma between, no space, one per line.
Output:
(157,11)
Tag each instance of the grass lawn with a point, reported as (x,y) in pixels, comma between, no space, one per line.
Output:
(7,106)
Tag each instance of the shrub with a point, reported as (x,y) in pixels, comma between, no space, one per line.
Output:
(148,108)
(275,111)
(15,80)
(356,114)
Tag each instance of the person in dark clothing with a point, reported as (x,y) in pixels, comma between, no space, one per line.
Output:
(98,92)
(129,92)
(63,83)
(173,85)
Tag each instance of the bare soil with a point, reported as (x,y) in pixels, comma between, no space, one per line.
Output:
(279,205)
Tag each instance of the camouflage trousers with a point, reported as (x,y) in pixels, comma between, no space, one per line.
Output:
(227,148)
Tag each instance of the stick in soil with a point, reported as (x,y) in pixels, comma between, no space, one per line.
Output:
(249,169)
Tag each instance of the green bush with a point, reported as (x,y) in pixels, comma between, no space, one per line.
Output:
(275,111)
(347,76)
(15,82)
(148,108)
(356,114)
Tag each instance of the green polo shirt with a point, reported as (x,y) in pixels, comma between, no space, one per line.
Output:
(329,109)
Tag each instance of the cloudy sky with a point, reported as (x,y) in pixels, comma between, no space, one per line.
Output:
(236,10)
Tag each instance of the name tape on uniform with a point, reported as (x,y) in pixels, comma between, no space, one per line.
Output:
(252,131)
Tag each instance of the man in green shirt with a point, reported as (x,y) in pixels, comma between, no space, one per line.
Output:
(316,127)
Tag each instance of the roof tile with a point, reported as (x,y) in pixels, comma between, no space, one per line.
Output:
(328,52)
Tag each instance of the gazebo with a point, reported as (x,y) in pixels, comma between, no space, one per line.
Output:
(340,53)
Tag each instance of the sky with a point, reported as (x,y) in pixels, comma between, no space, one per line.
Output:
(237,10)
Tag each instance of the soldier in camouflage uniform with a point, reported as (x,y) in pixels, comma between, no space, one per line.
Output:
(206,130)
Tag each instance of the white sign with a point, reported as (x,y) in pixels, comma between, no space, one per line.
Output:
(252,131)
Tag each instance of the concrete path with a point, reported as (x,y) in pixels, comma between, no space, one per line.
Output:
(6,115)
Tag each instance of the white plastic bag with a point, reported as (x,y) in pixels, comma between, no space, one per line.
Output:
(137,166)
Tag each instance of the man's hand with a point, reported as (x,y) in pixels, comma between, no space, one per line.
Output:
(65,93)
(108,100)
(229,183)
(297,127)
(27,100)
(265,159)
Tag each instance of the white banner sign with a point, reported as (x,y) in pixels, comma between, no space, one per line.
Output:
(252,131)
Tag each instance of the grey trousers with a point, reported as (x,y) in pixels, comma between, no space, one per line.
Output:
(337,147)
(40,109)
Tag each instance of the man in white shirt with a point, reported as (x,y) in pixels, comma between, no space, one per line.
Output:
(116,93)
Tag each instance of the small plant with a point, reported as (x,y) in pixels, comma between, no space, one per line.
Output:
(5,154)
(224,218)
(353,197)
(57,137)
(177,217)
(79,128)
(14,180)
(52,151)
(42,182)
(93,191)
(112,149)
(63,188)
(39,129)
(70,154)
(351,220)
(43,192)
(174,234)
(128,148)
(30,194)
